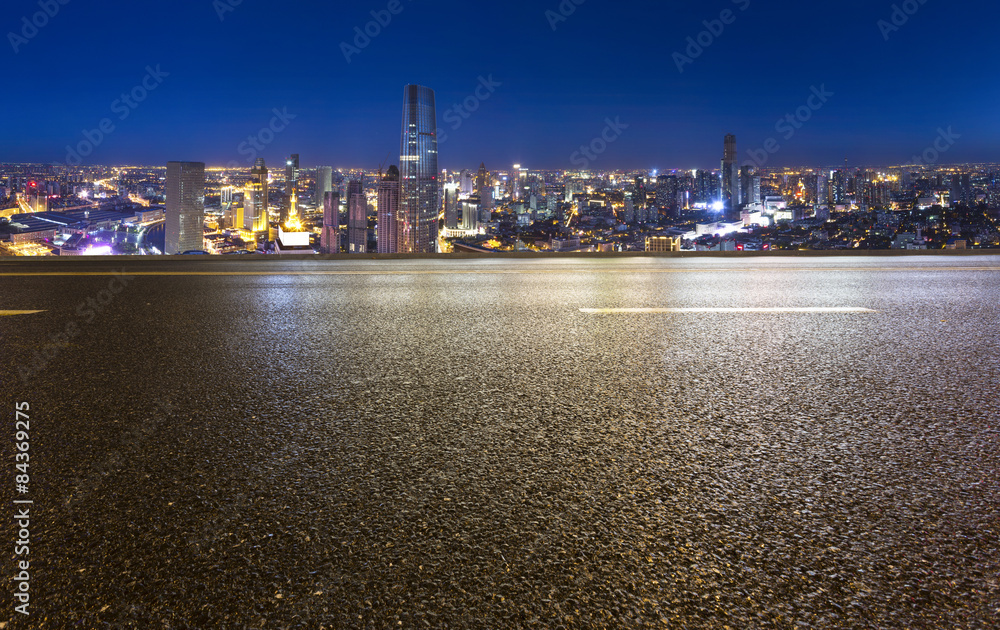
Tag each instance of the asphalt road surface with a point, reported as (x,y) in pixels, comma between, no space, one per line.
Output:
(565,443)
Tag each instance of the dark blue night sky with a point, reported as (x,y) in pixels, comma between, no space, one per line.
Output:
(557,87)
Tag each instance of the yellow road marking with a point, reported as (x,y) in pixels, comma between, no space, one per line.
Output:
(772,309)
(9,313)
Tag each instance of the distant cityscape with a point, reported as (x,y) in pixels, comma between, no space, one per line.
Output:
(414,207)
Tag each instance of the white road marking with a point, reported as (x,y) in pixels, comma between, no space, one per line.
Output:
(9,313)
(773,309)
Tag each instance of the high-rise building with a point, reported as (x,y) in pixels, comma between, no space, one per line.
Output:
(418,161)
(466,181)
(731,180)
(357,218)
(839,187)
(667,194)
(330,236)
(451,206)
(388,212)
(706,188)
(471,213)
(255,215)
(324,183)
(628,213)
(185,214)
(640,193)
(961,188)
(484,189)
(749,185)
(516,182)
(292,172)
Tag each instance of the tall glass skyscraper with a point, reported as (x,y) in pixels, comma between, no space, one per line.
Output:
(185,215)
(324,183)
(418,164)
(731,180)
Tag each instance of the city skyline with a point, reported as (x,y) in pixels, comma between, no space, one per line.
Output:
(702,71)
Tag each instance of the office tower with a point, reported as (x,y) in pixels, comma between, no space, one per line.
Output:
(730,180)
(749,185)
(471,213)
(640,193)
(484,190)
(961,188)
(822,188)
(324,183)
(469,221)
(467,185)
(451,206)
(628,214)
(255,215)
(707,188)
(839,187)
(185,215)
(418,160)
(330,237)
(388,212)
(516,182)
(292,173)
(357,218)
(667,194)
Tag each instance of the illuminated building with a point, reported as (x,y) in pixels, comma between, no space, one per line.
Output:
(730,179)
(330,236)
(471,209)
(466,181)
(451,206)
(628,213)
(291,238)
(484,189)
(749,186)
(291,183)
(663,244)
(418,163)
(324,184)
(185,220)
(667,194)
(388,212)
(357,218)
(255,199)
(516,183)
